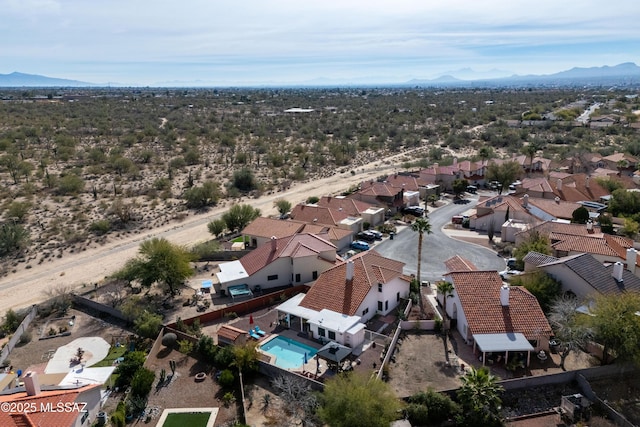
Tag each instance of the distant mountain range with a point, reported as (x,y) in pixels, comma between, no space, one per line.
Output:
(623,74)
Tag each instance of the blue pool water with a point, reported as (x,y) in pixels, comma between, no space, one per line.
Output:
(289,353)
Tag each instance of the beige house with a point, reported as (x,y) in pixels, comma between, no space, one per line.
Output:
(262,229)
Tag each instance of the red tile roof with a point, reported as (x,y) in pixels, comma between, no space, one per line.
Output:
(457,263)
(299,245)
(267,227)
(349,206)
(375,188)
(333,292)
(317,215)
(603,244)
(48,398)
(479,294)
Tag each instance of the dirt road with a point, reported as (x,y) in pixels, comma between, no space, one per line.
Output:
(28,286)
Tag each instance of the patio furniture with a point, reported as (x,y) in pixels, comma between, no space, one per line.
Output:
(253,335)
(260,331)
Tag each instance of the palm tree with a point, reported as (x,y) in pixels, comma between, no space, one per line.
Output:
(480,397)
(530,151)
(422,226)
(446,289)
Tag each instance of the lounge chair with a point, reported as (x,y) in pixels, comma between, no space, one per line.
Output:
(260,331)
(253,335)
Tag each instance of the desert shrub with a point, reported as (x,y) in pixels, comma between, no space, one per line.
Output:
(100,227)
(142,382)
(226,378)
(186,346)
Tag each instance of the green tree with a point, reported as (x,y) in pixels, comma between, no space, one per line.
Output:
(580,215)
(283,206)
(569,327)
(431,408)
(422,226)
(13,238)
(616,325)
(245,357)
(504,173)
(239,216)
(541,285)
(161,262)
(141,383)
(446,289)
(216,227)
(70,184)
(244,180)
(202,196)
(535,242)
(480,399)
(148,324)
(354,400)
(132,361)
(460,186)
(630,228)
(606,223)
(11,321)
(624,203)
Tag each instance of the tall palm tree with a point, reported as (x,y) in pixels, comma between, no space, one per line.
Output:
(530,151)
(480,397)
(422,226)
(446,289)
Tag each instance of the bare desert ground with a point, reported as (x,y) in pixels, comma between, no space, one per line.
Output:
(27,286)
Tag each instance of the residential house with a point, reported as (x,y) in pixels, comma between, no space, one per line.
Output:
(598,122)
(624,163)
(458,263)
(585,276)
(59,406)
(568,187)
(495,317)
(574,239)
(314,214)
(496,211)
(262,229)
(380,194)
(374,215)
(346,296)
(286,261)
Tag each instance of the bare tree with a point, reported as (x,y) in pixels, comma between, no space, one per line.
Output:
(570,333)
(300,402)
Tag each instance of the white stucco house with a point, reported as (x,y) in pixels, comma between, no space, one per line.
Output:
(345,297)
(293,260)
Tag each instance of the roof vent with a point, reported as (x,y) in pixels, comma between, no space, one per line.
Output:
(274,243)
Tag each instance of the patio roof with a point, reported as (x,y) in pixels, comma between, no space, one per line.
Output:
(333,321)
(333,352)
(291,306)
(509,341)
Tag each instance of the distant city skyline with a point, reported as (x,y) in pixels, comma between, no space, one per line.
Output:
(253,42)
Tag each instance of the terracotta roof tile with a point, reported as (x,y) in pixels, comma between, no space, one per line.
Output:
(375,188)
(457,263)
(351,207)
(299,245)
(317,215)
(333,292)
(267,227)
(479,294)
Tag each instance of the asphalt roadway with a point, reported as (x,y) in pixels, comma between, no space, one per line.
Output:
(438,246)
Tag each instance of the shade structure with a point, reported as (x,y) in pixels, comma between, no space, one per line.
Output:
(334,352)
(509,341)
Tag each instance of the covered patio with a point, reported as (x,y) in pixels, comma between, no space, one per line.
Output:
(500,345)
(334,354)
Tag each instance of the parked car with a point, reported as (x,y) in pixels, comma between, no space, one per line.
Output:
(375,233)
(413,210)
(366,236)
(360,245)
(506,274)
(472,189)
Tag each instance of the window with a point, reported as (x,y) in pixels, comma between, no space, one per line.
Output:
(272,277)
(297,277)
(314,275)
(379,305)
(397,296)
(322,332)
(386,305)
(365,311)
(379,287)
(332,335)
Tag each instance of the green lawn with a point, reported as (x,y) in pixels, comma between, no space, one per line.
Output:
(114,353)
(191,419)
(240,239)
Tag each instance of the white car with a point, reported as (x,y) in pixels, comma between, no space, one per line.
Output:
(506,274)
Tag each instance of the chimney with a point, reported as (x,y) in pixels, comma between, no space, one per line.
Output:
(350,270)
(525,201)
(455,161)
(589,226)
(274,243)
(559,184)
(618,269)
(586,182)
(504,295)
(632,258)
(31,384)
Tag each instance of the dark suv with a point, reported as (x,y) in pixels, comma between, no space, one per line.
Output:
(413,210)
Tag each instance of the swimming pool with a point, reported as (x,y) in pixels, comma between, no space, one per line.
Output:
(289,353)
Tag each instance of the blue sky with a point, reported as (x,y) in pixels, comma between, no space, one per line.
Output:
(143,42)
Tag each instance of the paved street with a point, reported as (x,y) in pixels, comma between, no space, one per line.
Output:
(437,246)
